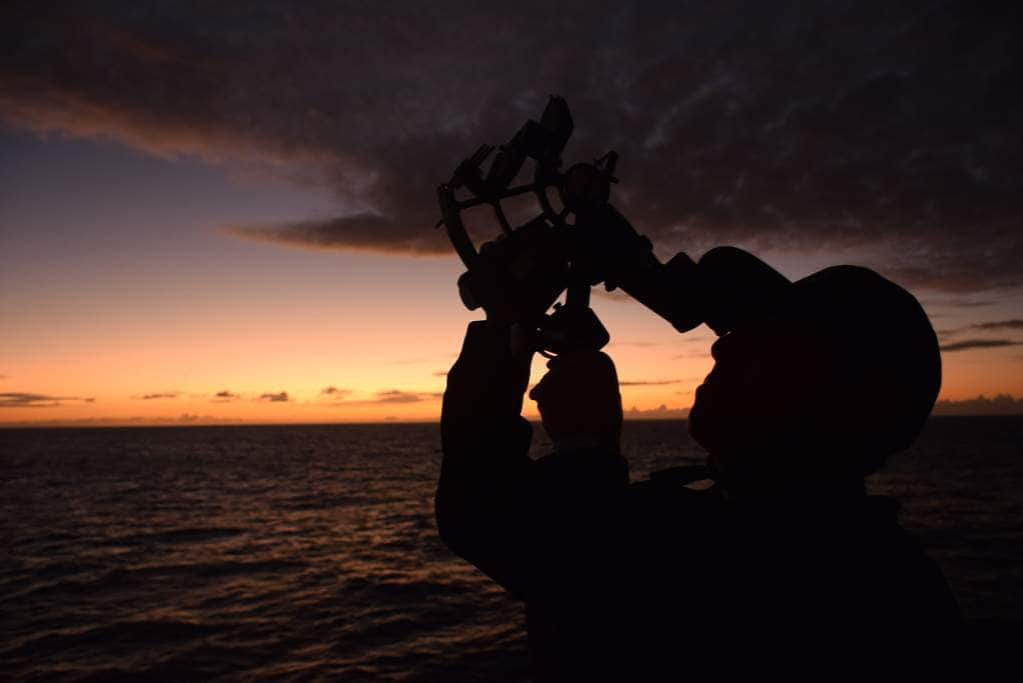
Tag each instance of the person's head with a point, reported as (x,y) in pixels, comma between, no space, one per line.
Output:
(825,382)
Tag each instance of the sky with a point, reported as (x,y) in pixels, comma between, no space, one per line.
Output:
(225,214)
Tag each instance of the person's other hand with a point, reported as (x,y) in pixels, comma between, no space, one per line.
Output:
(579,401)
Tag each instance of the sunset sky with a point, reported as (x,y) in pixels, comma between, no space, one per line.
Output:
(212,215)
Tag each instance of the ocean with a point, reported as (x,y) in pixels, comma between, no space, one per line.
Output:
(310,552)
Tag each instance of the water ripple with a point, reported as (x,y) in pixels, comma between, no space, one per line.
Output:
(310,552)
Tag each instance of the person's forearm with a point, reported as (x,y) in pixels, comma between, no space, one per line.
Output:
(484,388)
(670,290)
(726,287)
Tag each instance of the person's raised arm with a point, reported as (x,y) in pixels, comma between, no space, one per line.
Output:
(726,286)
(512,517)
(485,471)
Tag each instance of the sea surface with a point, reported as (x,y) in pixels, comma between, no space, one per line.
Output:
(310,552)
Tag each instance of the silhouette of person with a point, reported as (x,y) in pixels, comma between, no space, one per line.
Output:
(784,561)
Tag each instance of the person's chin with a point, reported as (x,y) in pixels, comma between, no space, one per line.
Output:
(707,424)
(697,421)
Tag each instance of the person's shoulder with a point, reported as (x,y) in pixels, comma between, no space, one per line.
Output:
(905,575)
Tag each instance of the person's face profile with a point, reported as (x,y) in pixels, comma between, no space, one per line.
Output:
(764,381)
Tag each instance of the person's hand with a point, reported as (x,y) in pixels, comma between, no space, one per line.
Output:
(490,376)
(579,401)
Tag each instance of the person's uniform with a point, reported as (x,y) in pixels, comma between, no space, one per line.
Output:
(648,580)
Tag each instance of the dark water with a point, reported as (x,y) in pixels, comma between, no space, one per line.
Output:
(310,552)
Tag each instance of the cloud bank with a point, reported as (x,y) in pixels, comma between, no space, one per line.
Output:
(14,399)
(662,412)
(888,130)
(385,397)
(1002,404)
(401,396)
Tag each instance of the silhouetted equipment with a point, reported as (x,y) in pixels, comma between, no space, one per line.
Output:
(815,383)
(517,277)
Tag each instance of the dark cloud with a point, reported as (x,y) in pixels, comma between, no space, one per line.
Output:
(391,396)
(989,326)
(192,418)
(151,397)
(362,231)
(891,129)
(399,396)
(1014,324)
(225,396)
(967,344)
(956,303)
(14,399)
(1002,404)
(280,397)
(184,418)
(335,392)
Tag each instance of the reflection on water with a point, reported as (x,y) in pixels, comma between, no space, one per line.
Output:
(311,551)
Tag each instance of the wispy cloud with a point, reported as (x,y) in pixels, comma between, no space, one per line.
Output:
(691,354)
(158,395)
(399,396)
(389,396)
(31,400)
(225,396)
(635,344)
(967,344)
(957,302)
(988,326)
(1013,324)
(183,419)
(335,392)
(279,397)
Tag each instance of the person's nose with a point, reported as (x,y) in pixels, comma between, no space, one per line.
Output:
(720,347)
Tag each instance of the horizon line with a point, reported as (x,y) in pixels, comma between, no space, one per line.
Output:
(113,424)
